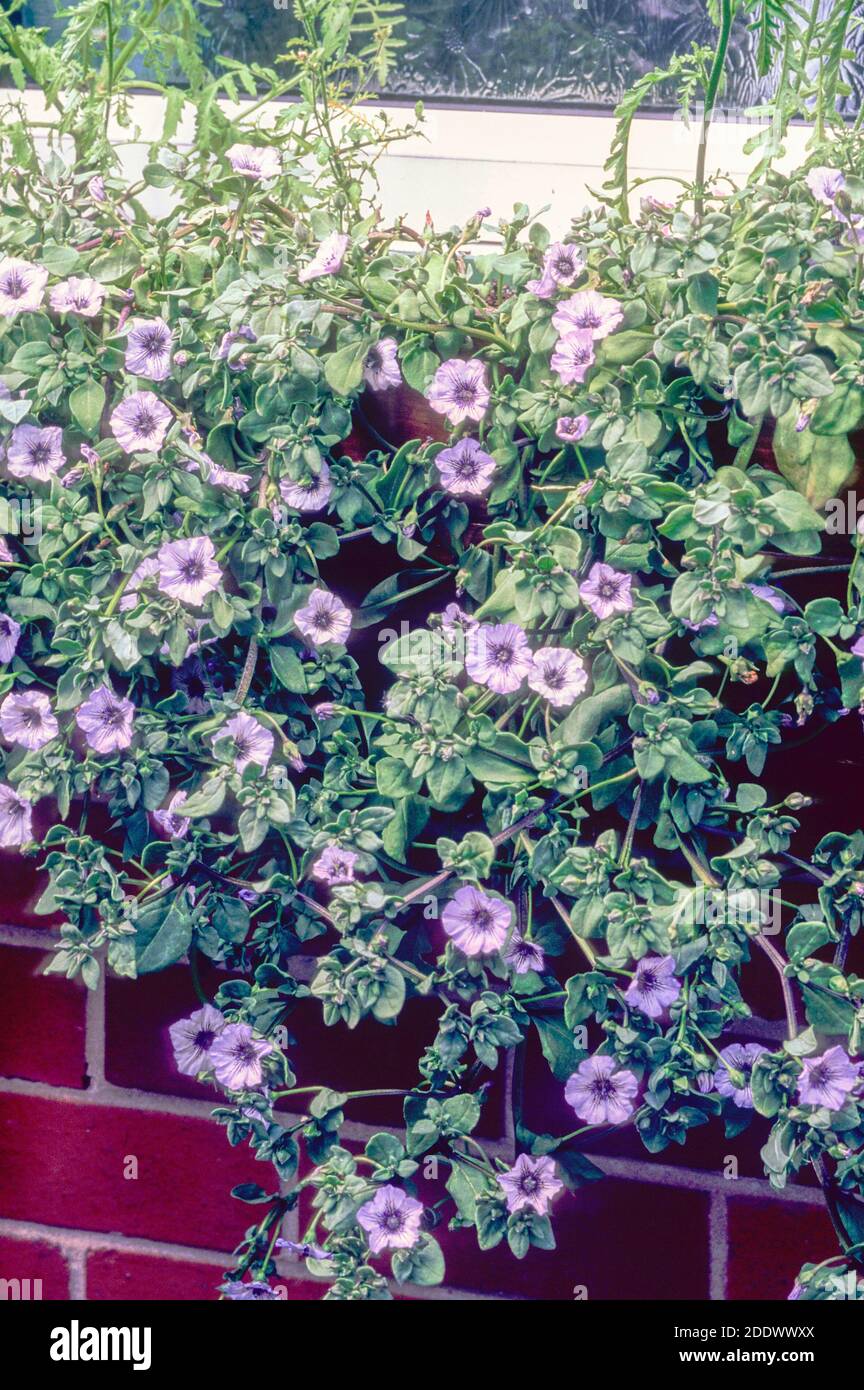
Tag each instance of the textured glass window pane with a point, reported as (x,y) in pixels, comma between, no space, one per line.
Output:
(583,52)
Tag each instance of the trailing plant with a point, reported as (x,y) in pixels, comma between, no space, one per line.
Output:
(561,809)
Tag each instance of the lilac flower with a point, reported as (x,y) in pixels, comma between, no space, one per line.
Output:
(326,709)
(6,556)
(140,422)
(459,390)
(252,742)
(803,421)
(654,986)
(606,591)
(477,922)
(327,259)
(147,569)
(857,648)
(558,674)
(586,310)
(531,1182)
(572,357)
(105,719)
(96,189)
(16,819)
(10,635)
(34,452)
(599,1094)
(236,1057)
(571,428)
(523,955)
(498,656)
(311,494)
(740,1058)
(218,476)
(169,821)
(455,622)
(828,1080)
(561,265)
(22,286)
(242,334)
(769,594)
(188,569)
(335,865)
(254,161)
(381,368)
(304,1251)
(825,184)
(193,1037)
(26,717)
(466,470)
(78,295)
(324,618)
(248,1291)
(148,349)
(391,1220)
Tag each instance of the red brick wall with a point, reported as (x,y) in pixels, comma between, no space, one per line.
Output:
(89,1097)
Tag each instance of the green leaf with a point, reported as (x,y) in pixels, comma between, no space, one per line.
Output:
(344,368)
(86,404)
(162,936)
(288,669)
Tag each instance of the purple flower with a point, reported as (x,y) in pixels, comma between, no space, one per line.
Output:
(34,452)
(769,594)
(193,1037)
(391,1220)
(6,556)
(303,1251)
(140,423)
(531,1182)
(825,184)
(466,470)
(561,265)
(148,349)
(857,647)
(78,295)
(218,476)
(477,922)
(254,161)
(739,1058)
(188,569)
(381,368)
(236,1057)
(243,334)
(147,569)
(606,591)
(571,428)
(523,955)
(169,821)
(252,742)
(558,674)
(599,1094)
(498,656)
(16,819)
(455,622)
(96,188)
(325,710)
(335,865)
(828,1080)
(10,635)
(588,311)
(22,286)
(311,494)
(572,357)
(327,259)
(654,986)
(248,1291)
(459,390)
(324,618)
(105,719)
(26,717)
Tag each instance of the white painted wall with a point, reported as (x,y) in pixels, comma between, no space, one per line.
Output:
(467,159)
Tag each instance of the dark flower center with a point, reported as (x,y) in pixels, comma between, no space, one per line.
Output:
(144,422)
(481,918)
(40,453)
(153,341)
(15,285)
(205,1039)
(392,1220)
(192,569)
(529,1183)
(502,656)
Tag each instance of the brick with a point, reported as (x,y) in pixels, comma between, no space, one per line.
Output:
(62,1164)
(35,1259)
(116,1274)
(768,1244)
(44,1026)
(620,1240)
